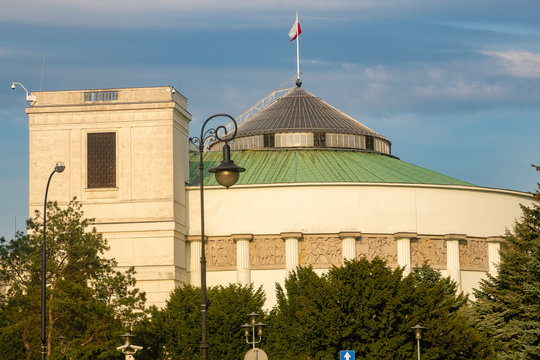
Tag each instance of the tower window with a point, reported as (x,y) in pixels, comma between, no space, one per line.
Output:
(101,160)
(369,142)
(319,139)
(269,140)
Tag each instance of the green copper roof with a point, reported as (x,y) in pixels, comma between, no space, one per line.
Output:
(316,165)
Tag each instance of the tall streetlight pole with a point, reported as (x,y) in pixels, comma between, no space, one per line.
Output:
(57,169)
(227,174)
(418,335)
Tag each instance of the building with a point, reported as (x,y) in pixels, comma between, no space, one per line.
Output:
(319,188)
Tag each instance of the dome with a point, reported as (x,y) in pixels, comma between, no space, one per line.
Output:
(299,119)
(317,166)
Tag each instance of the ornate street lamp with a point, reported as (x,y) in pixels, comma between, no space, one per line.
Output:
(57,169)
(256,328)
(227,174)
(128,349)
(418,335)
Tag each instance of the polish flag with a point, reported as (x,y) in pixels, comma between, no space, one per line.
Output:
(295,30)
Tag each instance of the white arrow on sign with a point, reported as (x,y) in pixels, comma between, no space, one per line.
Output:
(347,356)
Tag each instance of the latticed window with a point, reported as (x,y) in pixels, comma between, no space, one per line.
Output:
(369,142)
(101,154)
(269,140)
(319,139)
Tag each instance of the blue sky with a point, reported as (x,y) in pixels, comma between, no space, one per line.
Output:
(454,84)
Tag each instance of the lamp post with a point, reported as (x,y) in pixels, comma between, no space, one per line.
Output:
(227,174)
(128,349)
(418,335)
(252,325)
(57,169)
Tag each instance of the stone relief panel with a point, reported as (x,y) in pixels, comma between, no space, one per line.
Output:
(381,246)
(221,254)
(430,250)
(320,251)
(267,252)
(473,255)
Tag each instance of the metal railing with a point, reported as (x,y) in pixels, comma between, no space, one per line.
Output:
(100,96)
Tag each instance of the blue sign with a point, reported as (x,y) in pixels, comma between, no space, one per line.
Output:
(346,355)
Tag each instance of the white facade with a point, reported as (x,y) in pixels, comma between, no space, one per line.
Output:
(422,220)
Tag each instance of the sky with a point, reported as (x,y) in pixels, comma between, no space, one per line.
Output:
(454,84)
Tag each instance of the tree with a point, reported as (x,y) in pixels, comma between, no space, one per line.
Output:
(88,303)
(508,305)
(174,332)
(368,307)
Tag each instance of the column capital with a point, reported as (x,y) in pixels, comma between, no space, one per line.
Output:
(291,235)
(495,239)
(349,234)
(191,238)
(460,237)
(405,235)
(237,237)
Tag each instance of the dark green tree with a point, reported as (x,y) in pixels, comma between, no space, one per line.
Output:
(174,332)
(88,303)
(508,305)
(368,307)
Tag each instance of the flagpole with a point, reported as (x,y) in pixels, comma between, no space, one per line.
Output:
(297,50)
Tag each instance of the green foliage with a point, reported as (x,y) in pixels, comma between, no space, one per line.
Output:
(368,307)
(174,332)
(88,303)
(426,273)
(508,305)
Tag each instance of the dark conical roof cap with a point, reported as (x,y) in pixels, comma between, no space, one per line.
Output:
(301,111)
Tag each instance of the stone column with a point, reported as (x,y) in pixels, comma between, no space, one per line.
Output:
(453,265)
(494,246)
(292,259)
(403,243)
(348,244)
(243,272)
(195,259)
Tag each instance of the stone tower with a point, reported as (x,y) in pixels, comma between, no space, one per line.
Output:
(126,156)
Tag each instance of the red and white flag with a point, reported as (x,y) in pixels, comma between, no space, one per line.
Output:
(295,30)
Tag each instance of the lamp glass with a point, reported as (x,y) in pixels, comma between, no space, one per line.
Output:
(59,167)
(246,328)
(127,338)
(227,178)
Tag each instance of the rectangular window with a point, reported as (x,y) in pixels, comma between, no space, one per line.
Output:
(319,139)
(269,140)
(101,160)
(369,142)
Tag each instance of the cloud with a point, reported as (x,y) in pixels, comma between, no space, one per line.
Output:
(514,28)
(179,13)
(314,62)
(449,87)
(15,52)
(518,63)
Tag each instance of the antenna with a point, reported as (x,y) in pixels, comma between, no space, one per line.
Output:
(42,72)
